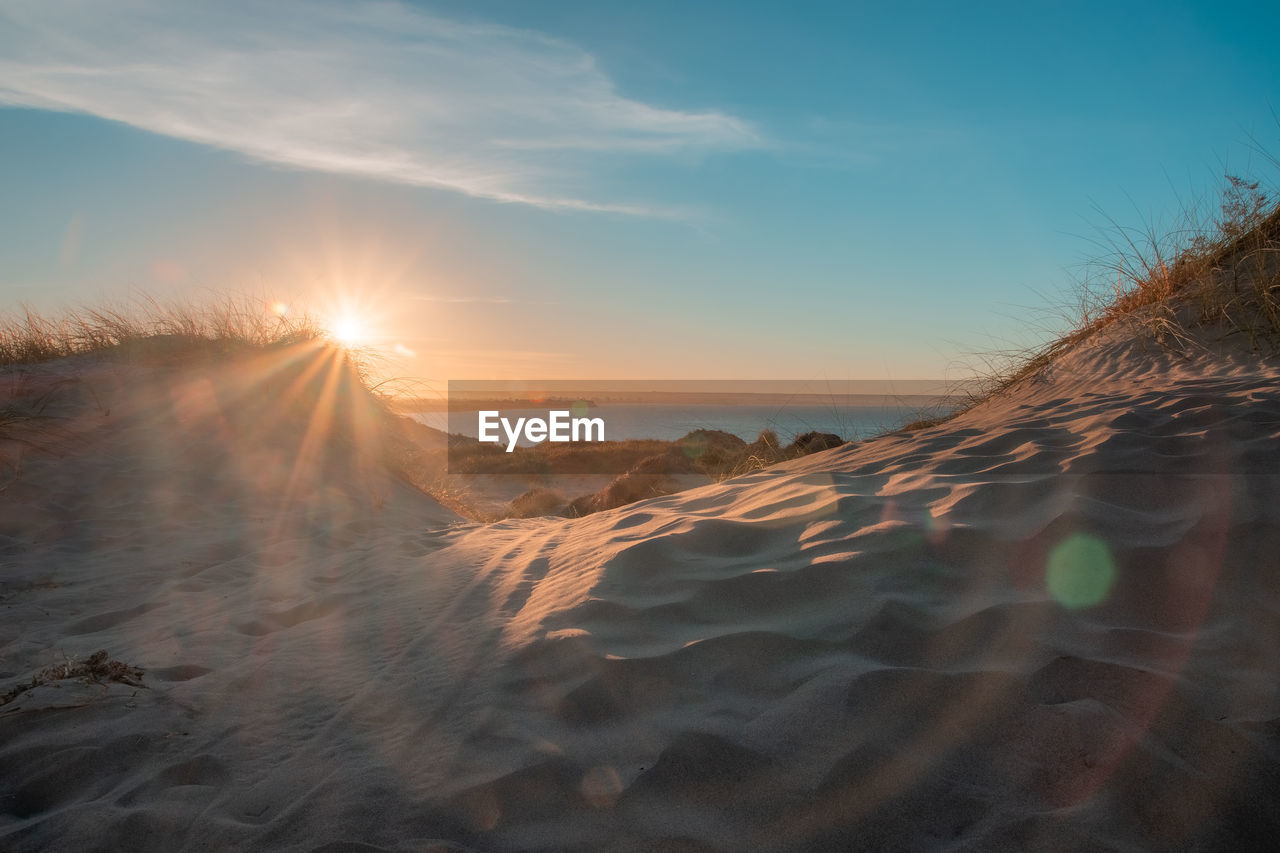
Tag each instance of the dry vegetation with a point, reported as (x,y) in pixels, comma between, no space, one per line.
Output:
(97,668)
(1215,272)
(151,329)
(1223,272)
(145,331)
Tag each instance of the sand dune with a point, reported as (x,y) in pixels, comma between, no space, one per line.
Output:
(1047,624)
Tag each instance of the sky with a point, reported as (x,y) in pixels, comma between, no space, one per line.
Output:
(495,190)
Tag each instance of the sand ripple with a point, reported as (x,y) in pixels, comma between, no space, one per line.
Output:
(1050,624)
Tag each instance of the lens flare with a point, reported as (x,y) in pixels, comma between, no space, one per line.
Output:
(1080,571)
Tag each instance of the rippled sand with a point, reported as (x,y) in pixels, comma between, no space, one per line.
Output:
(1048,624)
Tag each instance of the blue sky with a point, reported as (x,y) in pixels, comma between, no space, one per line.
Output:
(661,189)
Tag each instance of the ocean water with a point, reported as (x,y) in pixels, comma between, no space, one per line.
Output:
(668,422)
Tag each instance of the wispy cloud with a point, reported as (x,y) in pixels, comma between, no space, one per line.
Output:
(375,89)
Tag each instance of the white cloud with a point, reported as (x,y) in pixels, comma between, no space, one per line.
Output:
(375,89)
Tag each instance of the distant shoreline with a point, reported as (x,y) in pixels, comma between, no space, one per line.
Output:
(475,405)
(691,398)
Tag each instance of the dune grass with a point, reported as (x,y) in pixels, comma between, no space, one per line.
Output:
(150,328)
(142,331)
(1216,270)
(1219,269)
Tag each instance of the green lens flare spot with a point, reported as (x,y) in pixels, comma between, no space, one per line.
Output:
(1080,571)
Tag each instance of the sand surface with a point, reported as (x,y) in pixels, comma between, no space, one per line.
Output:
(1048,624)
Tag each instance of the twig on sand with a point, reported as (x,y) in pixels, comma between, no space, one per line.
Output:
(97,668)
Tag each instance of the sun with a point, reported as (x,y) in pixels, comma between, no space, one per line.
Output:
(348,329)
(353,322)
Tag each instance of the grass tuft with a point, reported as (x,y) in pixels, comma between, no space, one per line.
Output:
(97,668)
(1211,270)
(151,330)
(1211,276)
